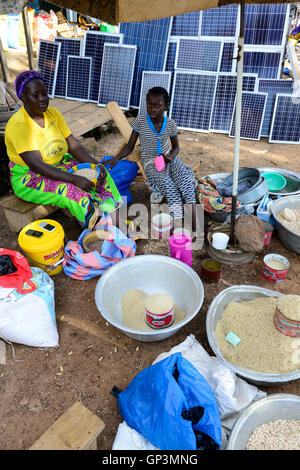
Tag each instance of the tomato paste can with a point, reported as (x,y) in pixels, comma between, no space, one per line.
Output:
(286,325)
(159,321)
(271,274)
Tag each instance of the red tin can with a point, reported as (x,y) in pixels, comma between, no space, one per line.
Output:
(285,325)
(159,321)
(272,274)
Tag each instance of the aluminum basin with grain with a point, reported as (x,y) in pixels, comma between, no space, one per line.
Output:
(152,274)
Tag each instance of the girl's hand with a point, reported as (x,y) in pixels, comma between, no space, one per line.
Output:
(167,158)
(112,162)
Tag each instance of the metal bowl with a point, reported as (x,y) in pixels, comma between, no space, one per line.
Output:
(215,311)
(150,273)
(289,238)
(270,408)
(292,186)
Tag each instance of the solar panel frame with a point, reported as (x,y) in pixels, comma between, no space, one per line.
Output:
(192,49)
(116,77)
(152,39)
(65,50)
(187,25)
(216,28)
(225,98)
(50,73)
(95,51)
(246,95)
(170,61)
(273,87)
(265,68)
(289,120)
(230,50)
(266,24)
(189,108)
(162,79)
(80,82)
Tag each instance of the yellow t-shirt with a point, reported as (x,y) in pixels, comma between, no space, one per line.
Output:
(23,134)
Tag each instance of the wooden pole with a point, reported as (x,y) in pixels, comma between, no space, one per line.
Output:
(28,38)
(4,66)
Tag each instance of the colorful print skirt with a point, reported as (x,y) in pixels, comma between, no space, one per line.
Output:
(33,187)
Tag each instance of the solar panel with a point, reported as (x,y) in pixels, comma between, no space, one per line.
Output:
(265,64)
(47,63)
(253,108)
(266,24)
(152,79)
(285,126)
(272,87)
(228,64)
(152,39)
(117,74)
(69,46)
(192,99)
(170,62)
(186,25)
(93,47)
(221,21)
(199,54)
(225,99)
(78,78)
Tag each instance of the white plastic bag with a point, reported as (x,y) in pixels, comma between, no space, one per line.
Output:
(29,318)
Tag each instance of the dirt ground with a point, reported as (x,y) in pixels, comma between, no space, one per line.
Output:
(38,385)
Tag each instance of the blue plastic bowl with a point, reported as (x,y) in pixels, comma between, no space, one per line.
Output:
(275,181)
(75,168)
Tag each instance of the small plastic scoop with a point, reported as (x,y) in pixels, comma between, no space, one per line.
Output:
(159,163)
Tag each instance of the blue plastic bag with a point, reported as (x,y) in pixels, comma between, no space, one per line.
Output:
(123,173)
(173,406)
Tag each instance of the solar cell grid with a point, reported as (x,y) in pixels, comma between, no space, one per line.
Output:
(221,21)
(192,99)
(253,108)
(199,54)
(285,127)
(265,64)
(93,47)
(151,39)
(117,74)
(69,46)
(78,78)
(47,63)
(266,24)
(186,25)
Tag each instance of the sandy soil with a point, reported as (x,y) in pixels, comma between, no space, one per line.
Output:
(38,385)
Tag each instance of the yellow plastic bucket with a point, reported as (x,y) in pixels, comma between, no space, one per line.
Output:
(43,244)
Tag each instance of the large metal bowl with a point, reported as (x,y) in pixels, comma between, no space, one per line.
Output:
(292,186)
(270,408)
(289,238)
(215,311)
(150,273)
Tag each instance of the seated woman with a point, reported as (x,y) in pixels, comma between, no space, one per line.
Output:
(42,149)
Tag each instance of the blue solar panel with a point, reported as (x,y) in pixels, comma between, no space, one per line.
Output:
(170,63)
(228,64)
(253,108)
(47,63)
(78,78)
(192,99)
(272,87)
(69,46)
(152,39)
(199,54)
(221,21)
(266,24)
(265,64)
(186,25)
(117,74)
(285,127)
(150,80)
(93,47)
(225,99)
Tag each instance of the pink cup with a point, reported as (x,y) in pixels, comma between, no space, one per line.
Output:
(159,163)
(181,248)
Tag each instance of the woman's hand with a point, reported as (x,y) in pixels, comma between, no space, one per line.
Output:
(103,173)
(82,183)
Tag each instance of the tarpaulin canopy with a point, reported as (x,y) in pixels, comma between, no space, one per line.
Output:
(116,11)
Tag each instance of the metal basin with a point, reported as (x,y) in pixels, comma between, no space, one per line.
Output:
(151,273)
(287,237)
(292,186)
(215,311)
(271,408)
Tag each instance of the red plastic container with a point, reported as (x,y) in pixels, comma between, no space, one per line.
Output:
(271,274)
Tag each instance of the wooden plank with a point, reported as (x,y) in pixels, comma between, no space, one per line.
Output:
(63,105)
(120,119)
(77,429)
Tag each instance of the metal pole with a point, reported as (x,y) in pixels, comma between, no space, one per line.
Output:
(28,38)
(238,111)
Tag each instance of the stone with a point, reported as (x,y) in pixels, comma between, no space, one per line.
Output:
(249,232)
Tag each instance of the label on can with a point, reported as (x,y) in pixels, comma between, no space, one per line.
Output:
(273,274)
(285,325)
(159,321)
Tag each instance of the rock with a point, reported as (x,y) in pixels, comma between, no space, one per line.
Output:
(249,231)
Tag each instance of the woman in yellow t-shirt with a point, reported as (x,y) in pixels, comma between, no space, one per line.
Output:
(41,150)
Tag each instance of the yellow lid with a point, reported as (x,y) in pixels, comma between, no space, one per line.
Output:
(52,235)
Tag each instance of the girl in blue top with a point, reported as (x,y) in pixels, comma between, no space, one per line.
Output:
(176,181)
